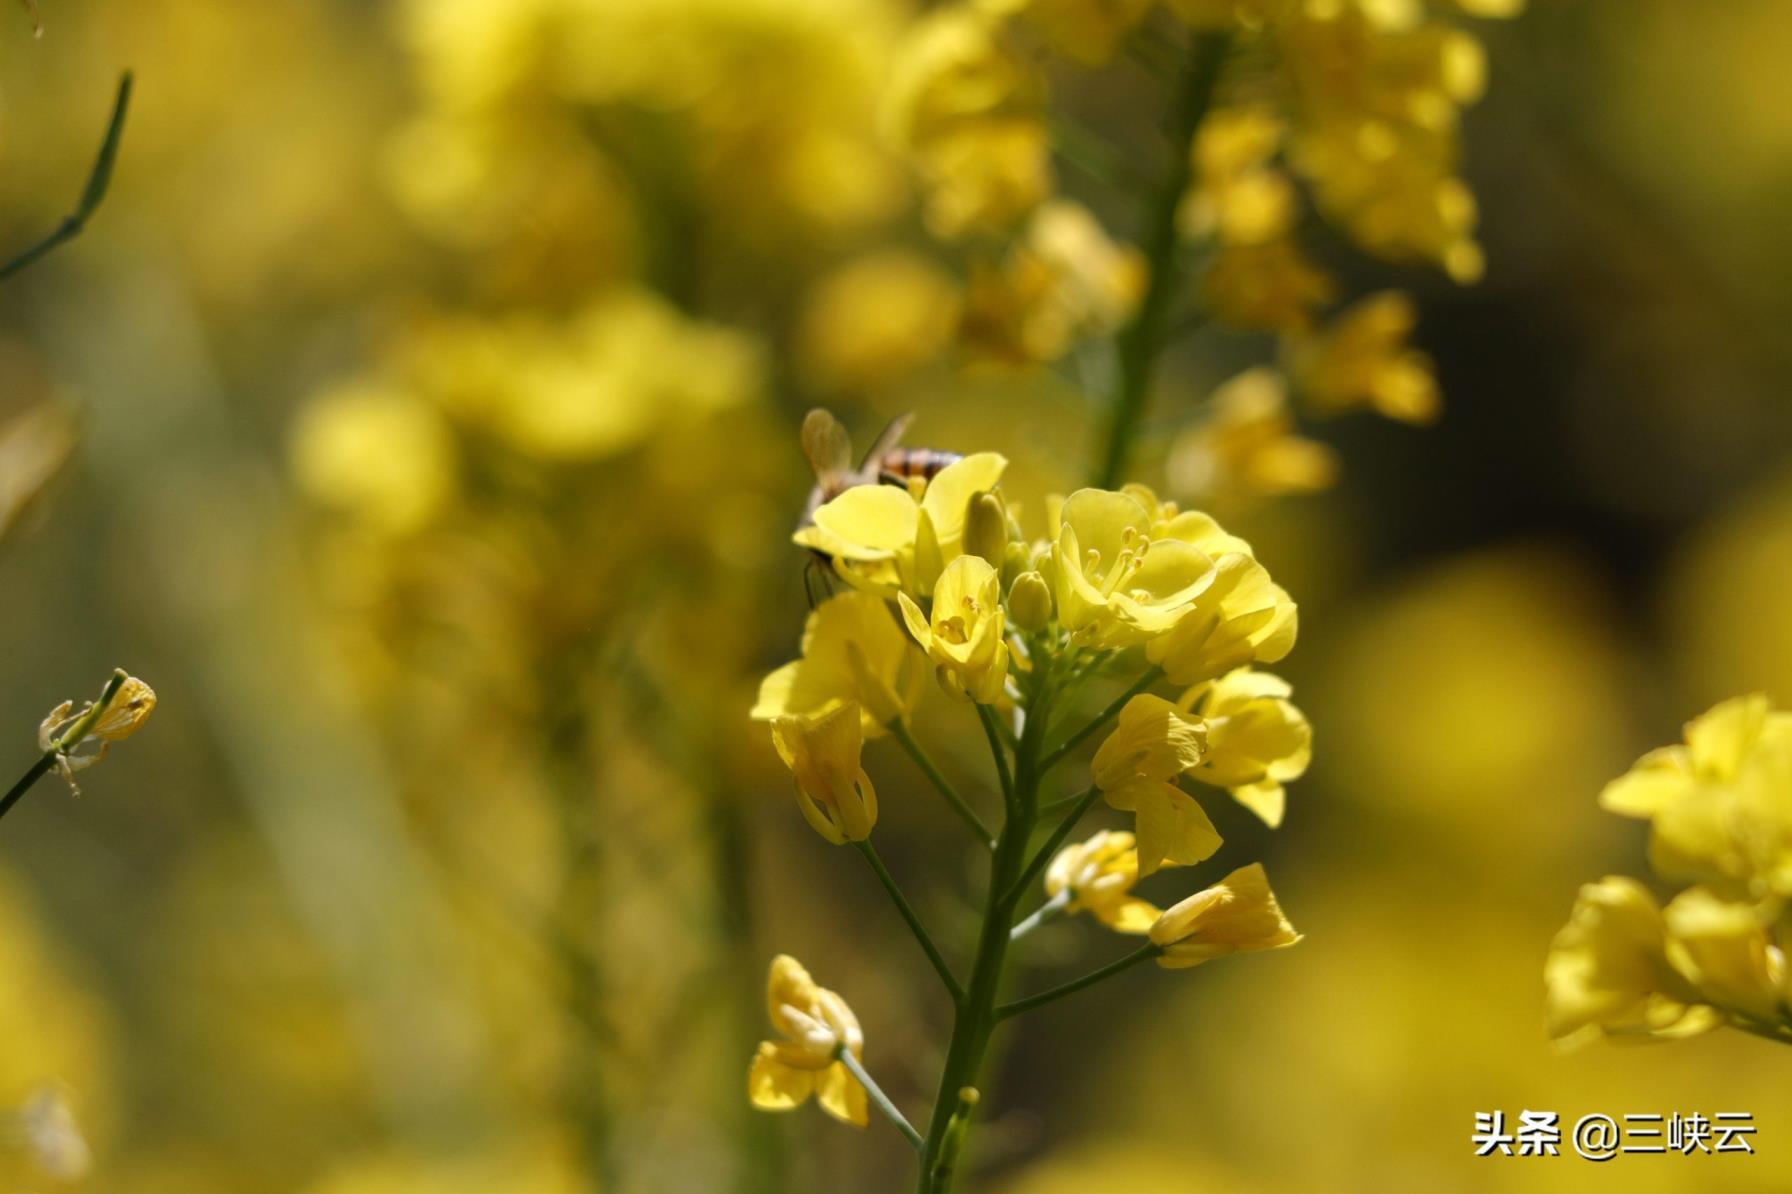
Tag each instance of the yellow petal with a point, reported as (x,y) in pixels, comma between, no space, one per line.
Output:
(1171,825)
(1128,915)
(949,494)
(869,522)
(841,1096)
(774,1086)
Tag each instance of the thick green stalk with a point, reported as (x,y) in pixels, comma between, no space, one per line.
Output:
(1142,339)
(976,1018)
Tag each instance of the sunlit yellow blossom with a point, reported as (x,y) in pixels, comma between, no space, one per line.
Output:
(1115,585)
(875,319)
(963,633)
(1256,739)
(968,111)
(1136,766)
(1608,970)
(833,790)
(1239,914)
(376,453)
(1245,444)
(1097,877)
(1721,805)
(815,1024)
(1087,31)
(1363,359)
(853,650)
(1723,949)
(1241,617)
(883,536)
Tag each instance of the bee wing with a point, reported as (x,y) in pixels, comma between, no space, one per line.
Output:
(886,440)
(827,446)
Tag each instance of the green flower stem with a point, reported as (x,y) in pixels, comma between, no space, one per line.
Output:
(914,922)
(899,731)
(878,1097)
(69,739)
(1049,910)
(1141,341)
(1143,953)
(91,196)
(976,1018)
(1038,863)
(38,770)
(1151,676)
(998,748)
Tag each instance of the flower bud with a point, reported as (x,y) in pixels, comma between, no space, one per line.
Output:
(1030,602)
(986,528)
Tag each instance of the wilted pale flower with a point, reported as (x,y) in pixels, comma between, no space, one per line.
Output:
(1136,767)
(1608,970)
(1364,359)
(47,1124)
(963,633)
(853,650)
(1239,914)
(1245,444)
(882,536)
(833,790)
(1116,585)
(814,1024)
(1097,876)
(80,739)
(1724,950)
(1256,739)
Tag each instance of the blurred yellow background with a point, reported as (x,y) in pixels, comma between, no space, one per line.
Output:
(438,365)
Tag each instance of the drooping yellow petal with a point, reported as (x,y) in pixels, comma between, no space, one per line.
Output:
(1152,740)
(869,522)
(775,1086)
(1171,826)
(1238,914)
(841,1095)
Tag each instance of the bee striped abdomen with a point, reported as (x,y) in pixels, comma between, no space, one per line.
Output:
(900,464)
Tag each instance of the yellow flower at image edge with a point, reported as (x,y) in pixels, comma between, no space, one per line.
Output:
(833,790)
(1608,970)
(815,1024)
(963,635)
(1239,914)
(1135,767)
(1097,876)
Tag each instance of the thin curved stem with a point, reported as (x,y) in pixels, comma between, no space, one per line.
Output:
(1141,341)
(1143,953)
(1046,911)
(998,748)
(882,1101)
(98,181)
(914,922)
(1053,757)
(1039,860)
(899,731)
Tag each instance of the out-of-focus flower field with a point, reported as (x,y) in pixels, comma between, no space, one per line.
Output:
(433,372)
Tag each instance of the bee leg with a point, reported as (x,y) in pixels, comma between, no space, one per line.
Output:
(818,584)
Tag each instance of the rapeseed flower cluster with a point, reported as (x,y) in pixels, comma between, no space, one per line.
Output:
(1719,808)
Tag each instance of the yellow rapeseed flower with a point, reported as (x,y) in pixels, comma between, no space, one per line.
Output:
(1086,31)
(1363,359)
(853,650)
(81,738)
(1136,766)
(1257,740)
(814,1024)
(1239,914)
(1246,446)
(1724,949)
(964,631)
(1242,617)
(884,537)
(1116,586)
(833,790)
(1608,970)
(1097,876)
